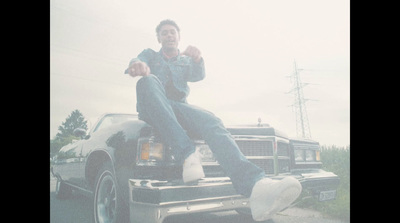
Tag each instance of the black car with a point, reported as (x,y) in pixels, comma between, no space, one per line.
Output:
(133,177)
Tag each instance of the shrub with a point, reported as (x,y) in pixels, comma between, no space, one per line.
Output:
(337,160)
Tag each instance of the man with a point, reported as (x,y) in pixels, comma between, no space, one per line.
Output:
(161,102)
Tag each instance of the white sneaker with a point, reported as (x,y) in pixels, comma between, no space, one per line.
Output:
(271,196)
(192,168)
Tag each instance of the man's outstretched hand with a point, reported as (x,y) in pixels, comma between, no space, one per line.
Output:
(193,52)
(139,68)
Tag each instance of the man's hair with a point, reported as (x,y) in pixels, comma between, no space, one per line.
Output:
(166,22)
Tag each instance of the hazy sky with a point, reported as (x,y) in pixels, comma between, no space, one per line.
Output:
(249,48)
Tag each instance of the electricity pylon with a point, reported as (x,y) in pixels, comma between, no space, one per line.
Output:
(299,105)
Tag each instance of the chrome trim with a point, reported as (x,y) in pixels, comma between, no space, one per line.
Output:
(81,189)
(142,212)
(156,213)
(148,213)
(251,137)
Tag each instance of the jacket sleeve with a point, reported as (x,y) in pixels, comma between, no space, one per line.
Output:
(145,56)
(197,72)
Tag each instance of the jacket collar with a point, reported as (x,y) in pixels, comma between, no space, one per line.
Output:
(167,58)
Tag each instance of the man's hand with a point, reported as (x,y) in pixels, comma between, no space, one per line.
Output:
(193,52)
(139,68)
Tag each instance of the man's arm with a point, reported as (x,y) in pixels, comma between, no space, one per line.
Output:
(198,70)
(139,66)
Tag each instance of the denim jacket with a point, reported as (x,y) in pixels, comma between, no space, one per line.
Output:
(181,69)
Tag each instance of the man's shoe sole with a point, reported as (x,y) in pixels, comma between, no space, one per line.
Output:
(281,200)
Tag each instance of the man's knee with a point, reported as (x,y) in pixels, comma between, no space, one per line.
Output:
(148,82)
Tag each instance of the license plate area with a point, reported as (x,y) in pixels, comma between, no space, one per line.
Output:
(327,195)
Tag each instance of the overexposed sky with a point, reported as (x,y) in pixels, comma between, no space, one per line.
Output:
(249,48)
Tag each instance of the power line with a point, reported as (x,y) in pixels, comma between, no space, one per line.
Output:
(78,13)
(69,50)
(81,14)
(88,79)
(322,70)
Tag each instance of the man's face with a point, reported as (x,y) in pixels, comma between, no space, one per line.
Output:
(169,37)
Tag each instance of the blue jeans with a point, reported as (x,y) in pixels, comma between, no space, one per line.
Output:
(173,120)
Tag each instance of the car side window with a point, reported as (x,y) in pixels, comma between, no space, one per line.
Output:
(107,121)
(114,119)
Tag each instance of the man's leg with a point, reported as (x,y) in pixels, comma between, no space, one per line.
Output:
(154,108)
(242,172)
(267,196)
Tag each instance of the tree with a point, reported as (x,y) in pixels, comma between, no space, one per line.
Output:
(57,143)
(66,129)
(73,121)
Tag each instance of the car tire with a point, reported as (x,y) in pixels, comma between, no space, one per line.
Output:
(63,191)
(108,203)
(245,214)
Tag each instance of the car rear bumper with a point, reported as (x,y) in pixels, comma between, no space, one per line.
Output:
(151,201)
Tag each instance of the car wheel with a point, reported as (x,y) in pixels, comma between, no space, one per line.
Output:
(108,203)
(245,213)
(63,191)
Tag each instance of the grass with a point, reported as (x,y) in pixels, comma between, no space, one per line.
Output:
(337,160)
